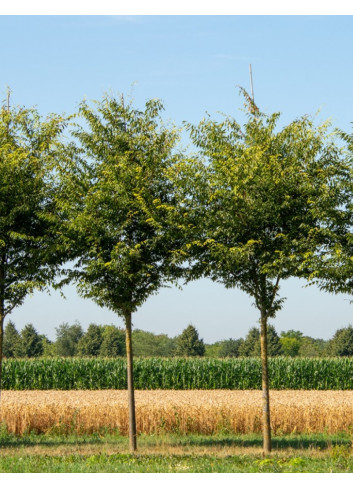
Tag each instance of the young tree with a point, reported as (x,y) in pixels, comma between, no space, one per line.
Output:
(28,254)
(67,338)
(262,202)
(115,196)
(188,344)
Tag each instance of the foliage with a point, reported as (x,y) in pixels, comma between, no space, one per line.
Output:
(251,345)
(290,346)
(147,344)
(178,373)
(341,345)
(115,194)
(188,343)
(311,347)
(113,342)
(90,343)
(31,342)
(67,338)
(29,255)
(12,342)
(230,348)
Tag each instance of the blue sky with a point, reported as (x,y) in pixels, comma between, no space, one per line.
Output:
(194,64)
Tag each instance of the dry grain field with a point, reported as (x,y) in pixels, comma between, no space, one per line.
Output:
(185,412)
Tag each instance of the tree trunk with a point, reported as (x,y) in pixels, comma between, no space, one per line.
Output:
(130,385)
(266,426)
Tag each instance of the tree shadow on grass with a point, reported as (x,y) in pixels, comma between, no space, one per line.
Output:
(278,442)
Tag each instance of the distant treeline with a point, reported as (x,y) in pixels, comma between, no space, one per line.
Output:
(108,341)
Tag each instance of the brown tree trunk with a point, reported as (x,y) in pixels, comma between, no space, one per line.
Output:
(130,385)
(266,426)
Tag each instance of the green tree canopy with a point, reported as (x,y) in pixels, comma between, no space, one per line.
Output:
(189,344)
(67,338)
(90,343)
(251,345)
(12,341)
(31,342)
(230,348)
(113,342)
(148,344)
(341,345)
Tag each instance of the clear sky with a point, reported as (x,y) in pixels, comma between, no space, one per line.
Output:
(194,64)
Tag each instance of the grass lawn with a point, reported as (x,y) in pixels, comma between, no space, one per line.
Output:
(174,453)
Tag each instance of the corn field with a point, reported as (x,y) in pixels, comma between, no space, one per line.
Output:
(177,373)
(185,412)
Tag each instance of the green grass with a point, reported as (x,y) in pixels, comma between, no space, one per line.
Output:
(177,373)
(173,453)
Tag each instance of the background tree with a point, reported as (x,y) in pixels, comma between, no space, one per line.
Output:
(341,345)
(115,197)
(291,341)
(31,341)
(189,344)
(251,347)
(147,344)
(262,204)
(67,338)
(113,342)
(230,348)
(12,347)
(90,343)
(29,256)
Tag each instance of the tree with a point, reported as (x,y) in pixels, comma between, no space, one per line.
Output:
(29,257)
(251,347)
(291,341)
(148,344)
(12,341)
(188,343)
(67,338)
(115,197)
(90,343)
(31,342)
(312,347)
(256,205)
(113,342)
(341,345)
(230,348)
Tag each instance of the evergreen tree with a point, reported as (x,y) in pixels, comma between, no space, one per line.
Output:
(113,342)
(188,343)
(31,342)
(90,343)
(67,338)
(251,347)
(12,341)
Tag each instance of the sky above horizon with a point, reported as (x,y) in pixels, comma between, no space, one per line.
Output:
(194,64)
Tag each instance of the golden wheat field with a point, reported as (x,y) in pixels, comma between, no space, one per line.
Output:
(162,411)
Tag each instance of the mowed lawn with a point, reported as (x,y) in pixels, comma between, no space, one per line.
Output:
(175,453)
